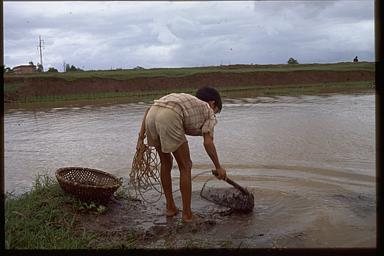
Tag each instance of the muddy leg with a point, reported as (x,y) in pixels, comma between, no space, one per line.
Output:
(184,162)
(166,181)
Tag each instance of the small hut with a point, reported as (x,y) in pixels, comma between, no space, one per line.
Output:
(24,69)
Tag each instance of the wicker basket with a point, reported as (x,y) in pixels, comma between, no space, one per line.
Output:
(87,184)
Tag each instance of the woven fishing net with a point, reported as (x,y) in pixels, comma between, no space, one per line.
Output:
(229,197)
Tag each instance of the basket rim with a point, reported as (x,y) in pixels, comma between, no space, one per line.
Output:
(62,179)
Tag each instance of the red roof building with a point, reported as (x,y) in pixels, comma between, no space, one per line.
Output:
(24,69)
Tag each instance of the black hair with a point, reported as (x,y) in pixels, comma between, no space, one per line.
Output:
(207,93)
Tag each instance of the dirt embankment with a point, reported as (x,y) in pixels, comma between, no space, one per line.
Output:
(33,86)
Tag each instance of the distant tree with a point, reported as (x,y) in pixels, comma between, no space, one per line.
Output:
(30,63)
(72,68)
(51,69)
(39,68)
(6,69)
(78,69)
(292,61)
(69,68)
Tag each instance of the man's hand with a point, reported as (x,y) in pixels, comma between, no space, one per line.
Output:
(220,173)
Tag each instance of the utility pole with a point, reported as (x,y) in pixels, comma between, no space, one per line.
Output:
(41,52)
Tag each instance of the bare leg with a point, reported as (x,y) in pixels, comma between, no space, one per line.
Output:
(184,162)
(166,181)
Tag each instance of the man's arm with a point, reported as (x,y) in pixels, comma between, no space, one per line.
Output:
(211,151)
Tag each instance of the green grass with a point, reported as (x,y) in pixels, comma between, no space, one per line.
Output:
(124,74)
(12,87)
(36,220)
(39,220)
(312,89)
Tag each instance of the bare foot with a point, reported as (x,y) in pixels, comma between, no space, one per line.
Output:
(171,212)
(189,219)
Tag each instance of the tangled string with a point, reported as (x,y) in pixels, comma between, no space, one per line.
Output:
(145,171)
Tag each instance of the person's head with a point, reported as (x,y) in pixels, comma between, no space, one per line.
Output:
(211,96)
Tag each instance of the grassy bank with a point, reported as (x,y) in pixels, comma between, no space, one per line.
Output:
(123,74)
(120,86)
(46,218)
(226,92)
(295,90)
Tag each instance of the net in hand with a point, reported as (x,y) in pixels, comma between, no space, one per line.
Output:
(145,171)
(231,198)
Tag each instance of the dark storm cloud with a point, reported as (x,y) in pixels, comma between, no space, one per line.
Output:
(103,35)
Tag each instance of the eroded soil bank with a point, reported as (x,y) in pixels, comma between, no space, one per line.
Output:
(37,86)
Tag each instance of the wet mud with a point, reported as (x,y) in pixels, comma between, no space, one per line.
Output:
(282,218)
(148,223)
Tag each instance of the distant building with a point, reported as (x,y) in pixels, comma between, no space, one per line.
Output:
(24,69)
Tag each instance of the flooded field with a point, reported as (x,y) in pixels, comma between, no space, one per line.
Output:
(309,161)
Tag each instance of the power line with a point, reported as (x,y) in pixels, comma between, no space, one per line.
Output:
(41,52)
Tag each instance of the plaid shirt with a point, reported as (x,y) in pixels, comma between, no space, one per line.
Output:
(197,115)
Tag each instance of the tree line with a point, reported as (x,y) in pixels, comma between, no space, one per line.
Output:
(39,68)
(71,68)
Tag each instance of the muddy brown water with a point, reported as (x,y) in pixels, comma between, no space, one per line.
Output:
(309,161)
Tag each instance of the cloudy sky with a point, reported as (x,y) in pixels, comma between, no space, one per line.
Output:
(109,35)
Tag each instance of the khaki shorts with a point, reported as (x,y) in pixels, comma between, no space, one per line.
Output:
(164,128)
